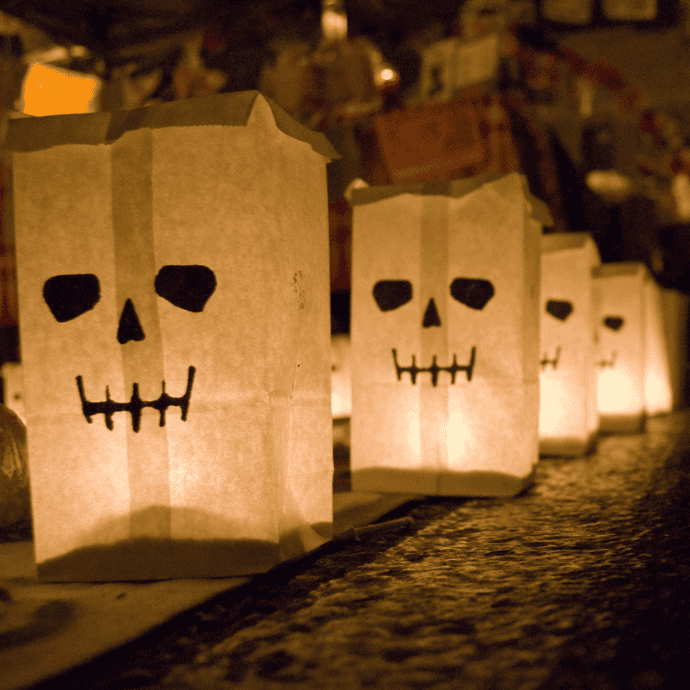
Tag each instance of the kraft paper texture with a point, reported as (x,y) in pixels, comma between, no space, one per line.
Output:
(201,226)
(468,423)
(569,415)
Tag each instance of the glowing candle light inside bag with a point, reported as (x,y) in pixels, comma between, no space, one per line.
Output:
(620,293)
(569,416)
(333,20)
(658,392)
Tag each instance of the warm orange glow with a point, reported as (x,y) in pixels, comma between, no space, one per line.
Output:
(341,372)
(568,414)
(333,25)
(657,384)
(556,406)
(657,393)
(460,438)
(53,91)
(387,74)
(616,394)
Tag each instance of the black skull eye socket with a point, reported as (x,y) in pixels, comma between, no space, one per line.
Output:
(71,295)
(187,287)
(472,292)
(613,322)
(391,294)
(559,309)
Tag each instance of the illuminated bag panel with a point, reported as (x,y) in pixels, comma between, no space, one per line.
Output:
(445,289)
(174,300)
(569,415)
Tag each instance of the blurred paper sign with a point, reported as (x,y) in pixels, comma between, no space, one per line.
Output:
(453,64)
(629,10)
(445,345)
(568,11)
(476,61)
(569,416)
(438,76)
(429,141)
(174,314)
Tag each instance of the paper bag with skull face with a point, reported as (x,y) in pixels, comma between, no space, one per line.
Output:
(174,309)
(620,294)
(658,387)
(568,416)
(445,337)
(675,317)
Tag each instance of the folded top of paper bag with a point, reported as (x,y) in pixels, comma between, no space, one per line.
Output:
(228,109)
(452,188)
(560,241)
(620,268)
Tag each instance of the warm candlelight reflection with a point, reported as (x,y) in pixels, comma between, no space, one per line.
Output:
(617,394)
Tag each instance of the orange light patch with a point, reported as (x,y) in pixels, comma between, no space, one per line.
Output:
(55,91)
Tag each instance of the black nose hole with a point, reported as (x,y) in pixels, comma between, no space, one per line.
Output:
(129,327)
(431,317)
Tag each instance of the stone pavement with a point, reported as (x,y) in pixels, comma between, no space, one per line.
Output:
(582,582)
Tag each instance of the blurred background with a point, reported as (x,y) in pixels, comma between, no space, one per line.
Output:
(588,98)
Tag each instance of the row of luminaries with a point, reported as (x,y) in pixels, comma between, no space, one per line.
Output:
(173,275)
(611,345)
(478,342)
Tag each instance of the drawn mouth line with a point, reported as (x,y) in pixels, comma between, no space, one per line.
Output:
(553,362)
(434,369)
(608,363)
(135,404)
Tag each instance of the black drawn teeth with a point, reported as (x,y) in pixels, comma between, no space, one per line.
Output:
(136,404)
(434,369)
(608,363)
(553,362)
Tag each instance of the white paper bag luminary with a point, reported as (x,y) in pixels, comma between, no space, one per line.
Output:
(620,294)
(174,317)
(675,311)
(658,391)
(341,376)
(445,347)
(569,415)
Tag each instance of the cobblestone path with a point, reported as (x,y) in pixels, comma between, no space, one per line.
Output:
(583,582)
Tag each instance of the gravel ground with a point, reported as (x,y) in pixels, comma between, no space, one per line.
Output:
(582,582)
